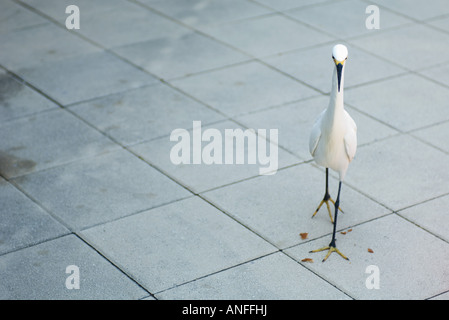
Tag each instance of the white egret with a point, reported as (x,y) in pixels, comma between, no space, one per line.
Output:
(333,140)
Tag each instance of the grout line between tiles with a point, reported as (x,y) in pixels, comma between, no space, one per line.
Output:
(114,264)
(231,119)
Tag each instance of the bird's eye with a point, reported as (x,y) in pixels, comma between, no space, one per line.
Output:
(346,58)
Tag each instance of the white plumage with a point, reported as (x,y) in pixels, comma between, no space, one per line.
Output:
(333,140)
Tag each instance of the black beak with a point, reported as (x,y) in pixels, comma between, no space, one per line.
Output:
(339,69)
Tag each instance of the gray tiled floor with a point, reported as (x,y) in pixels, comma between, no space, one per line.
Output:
(137,116)
(46,140)
(19,100)
(180,55)
(85,77)
(340,18)
(86,177)
(186,233)
(243,88)
(268,35)
(200,178)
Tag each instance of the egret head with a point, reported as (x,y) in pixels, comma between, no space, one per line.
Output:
(339,55)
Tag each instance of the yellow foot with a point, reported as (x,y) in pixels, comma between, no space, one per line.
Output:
(326,201)
(330,250)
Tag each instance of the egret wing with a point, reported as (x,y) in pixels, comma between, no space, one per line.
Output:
(315,136)
(351,138)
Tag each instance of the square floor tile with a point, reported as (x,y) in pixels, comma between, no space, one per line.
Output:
(85,77)
(46,140)
(438,73)
(14,17)
(23,222)
(413,47)
(203,176)
(431,215)
(176,243)
(46,43)
(315,66)
(272,277)
(435,135)
(402,102)
(17,99)
(345,19)
(444,296)
(100,189)
(280,207)
(415,8)
(144,114)
(125,24)
(203,12)
(288,4)
(411,263)
(442,23)
(267,35)
(178,56)
(295,121)
(400,171)
(244,88)
(39,273)
(56,8)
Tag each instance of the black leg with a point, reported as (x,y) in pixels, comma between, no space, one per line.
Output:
(332,247)
(327,196)
(337,204)
(326,199)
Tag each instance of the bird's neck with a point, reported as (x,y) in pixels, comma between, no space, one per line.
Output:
(336,106)
(337,95)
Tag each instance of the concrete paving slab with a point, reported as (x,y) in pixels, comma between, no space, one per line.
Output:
(47,43)
(402,102)
(199,13)
(400,171)
(269,278)
(438,73)
(18,100)
(410,262)
(253,63)
(46,140)
(431,216)
(144,114)
(282,5)
(24,223)
(280,207)
(15,17)
(267,35)
(179,56)
(441,23)
(176,243)
(55,9)
(85,77)
(244,88)
(444,296)
(39,273)
(314,66)
(201,177)
(125,24)
(416,9)
(412,43)
(100,189)
(294,122)
(344,19)
(435,135)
